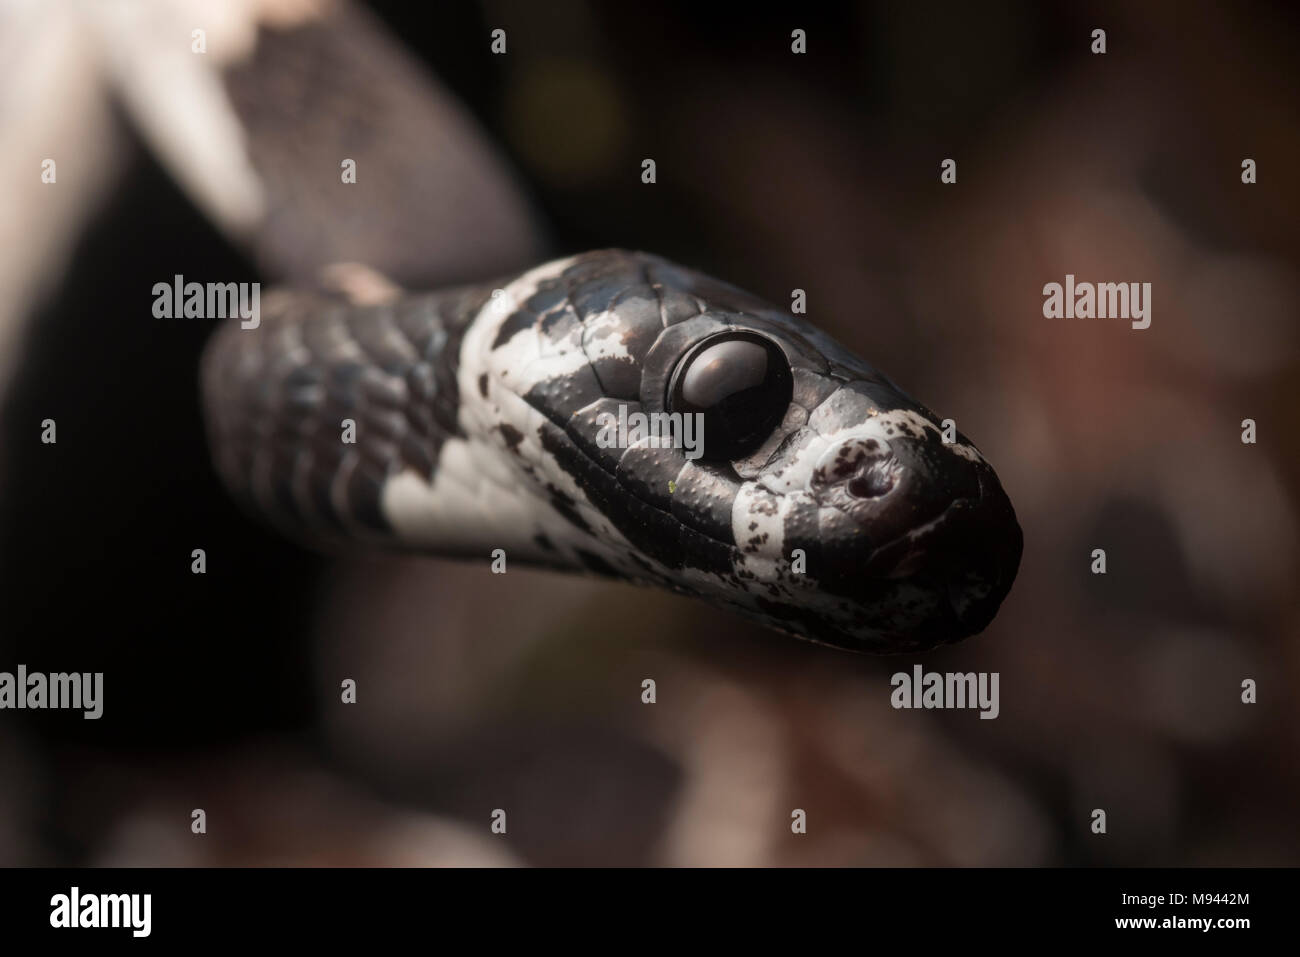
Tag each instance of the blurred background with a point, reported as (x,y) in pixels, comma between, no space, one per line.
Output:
(775,171)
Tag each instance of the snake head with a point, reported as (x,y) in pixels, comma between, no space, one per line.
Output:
(815,497)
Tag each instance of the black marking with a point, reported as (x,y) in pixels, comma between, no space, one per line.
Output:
(565,504)
(364,492)
(415,453)
(707,554)
(512,436)
(550,293)
(649,529)
(552,319)
(585,427)
(483,385)
(561,333)
(642,563)
(704,498)
(595,293)
(595,563)
(645,472)
(516,322)
(558,398)
(652,530)
(619,377)
(676,306)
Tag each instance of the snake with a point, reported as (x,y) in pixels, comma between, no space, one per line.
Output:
(821,501)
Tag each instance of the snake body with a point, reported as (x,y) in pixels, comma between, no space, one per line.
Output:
(845,519)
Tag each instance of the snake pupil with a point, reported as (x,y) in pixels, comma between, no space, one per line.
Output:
(741,383)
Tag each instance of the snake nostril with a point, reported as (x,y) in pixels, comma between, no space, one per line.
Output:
(872,485)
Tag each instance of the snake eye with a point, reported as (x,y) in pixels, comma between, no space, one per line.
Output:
(741,383)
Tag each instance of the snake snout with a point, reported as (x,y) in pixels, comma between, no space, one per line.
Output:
(976,550)
(917,513)
(890,489)
(971,551)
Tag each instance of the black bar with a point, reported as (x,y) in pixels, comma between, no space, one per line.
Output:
(444,906)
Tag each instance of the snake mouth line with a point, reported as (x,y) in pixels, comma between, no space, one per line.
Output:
(898,570)
(930,525)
